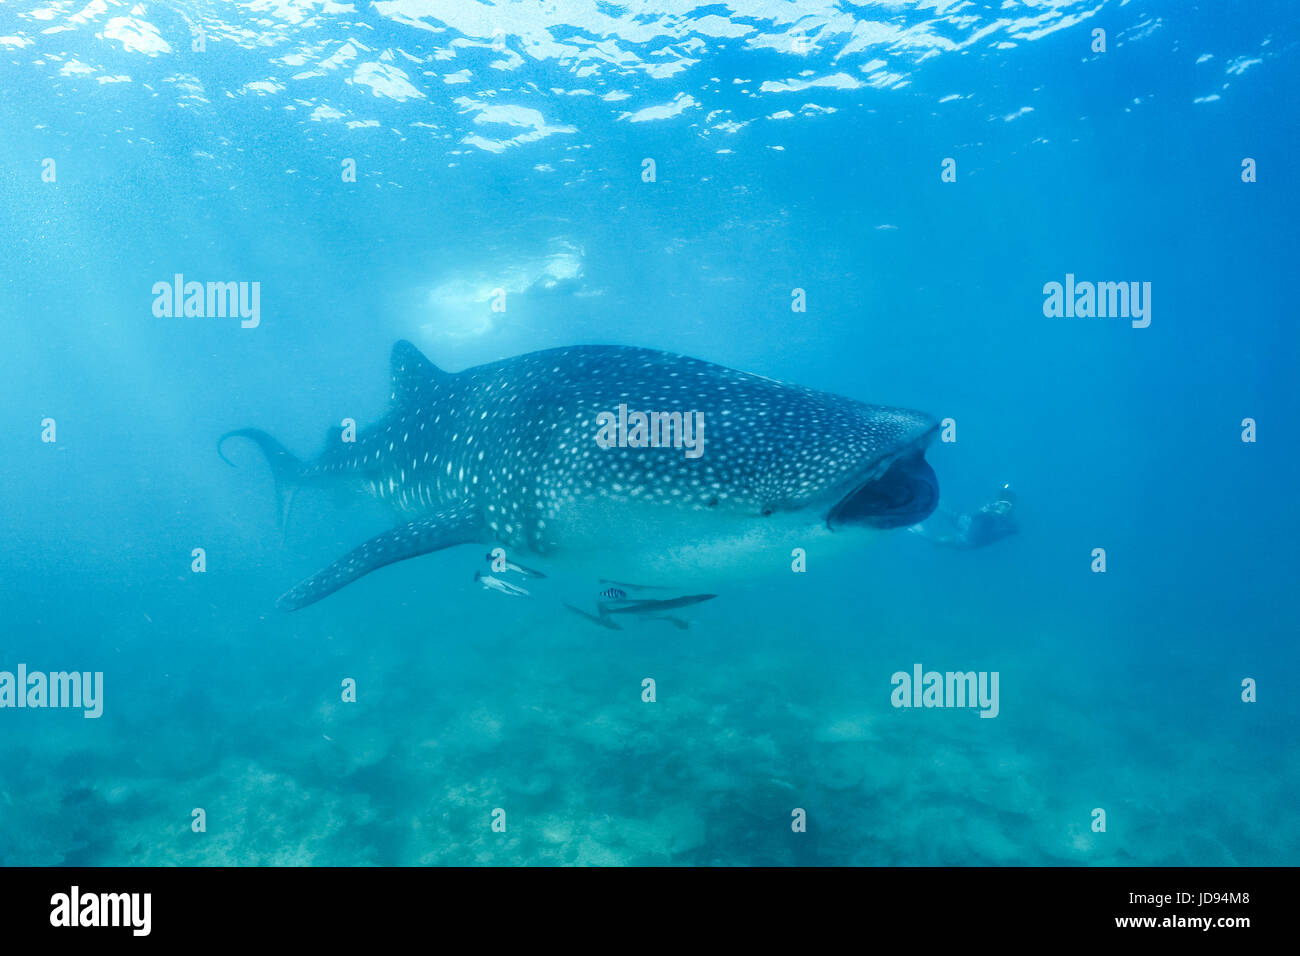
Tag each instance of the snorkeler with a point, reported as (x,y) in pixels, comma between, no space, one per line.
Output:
(992,522)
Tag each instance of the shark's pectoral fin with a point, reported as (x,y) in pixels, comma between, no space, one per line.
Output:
(442,530)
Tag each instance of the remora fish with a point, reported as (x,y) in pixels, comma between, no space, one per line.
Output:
(648,606)
(508,565)
(496,584)
(506,454)
(635,587)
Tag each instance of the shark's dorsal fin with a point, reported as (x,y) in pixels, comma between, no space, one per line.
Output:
(412,372)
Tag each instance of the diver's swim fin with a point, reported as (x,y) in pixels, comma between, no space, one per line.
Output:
(603,621)
(676,622)
(459,525)
(636,587)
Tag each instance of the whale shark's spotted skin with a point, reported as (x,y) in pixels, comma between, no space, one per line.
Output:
(510,447)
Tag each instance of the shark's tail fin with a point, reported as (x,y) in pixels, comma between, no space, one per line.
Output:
(287,470)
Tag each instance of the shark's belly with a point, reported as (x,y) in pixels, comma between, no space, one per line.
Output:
(649,543)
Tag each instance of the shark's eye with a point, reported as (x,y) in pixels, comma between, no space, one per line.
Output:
(713,502)
(767,512)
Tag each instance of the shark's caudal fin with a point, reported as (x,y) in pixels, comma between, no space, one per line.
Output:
(459,525)
(287,470)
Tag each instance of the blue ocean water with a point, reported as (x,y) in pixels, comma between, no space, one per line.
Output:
(913,174)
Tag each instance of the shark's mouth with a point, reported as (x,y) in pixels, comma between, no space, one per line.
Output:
(905,493)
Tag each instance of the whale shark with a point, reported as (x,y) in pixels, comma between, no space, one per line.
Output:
(516,454)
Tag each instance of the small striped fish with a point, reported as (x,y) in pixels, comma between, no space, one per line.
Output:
(613,594)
